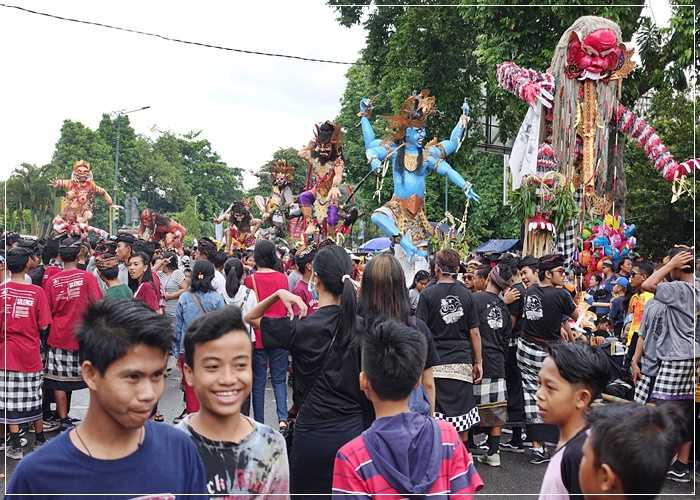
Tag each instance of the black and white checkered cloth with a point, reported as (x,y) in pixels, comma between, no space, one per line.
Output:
(20,397)
(565,241)
(62,365)
(490,390)
(530,358)
(462,423)
(642,389)
(675,380)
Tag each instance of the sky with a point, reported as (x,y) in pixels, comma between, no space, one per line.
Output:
(247,106)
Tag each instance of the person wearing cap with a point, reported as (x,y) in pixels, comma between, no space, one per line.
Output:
(69,293)
(609,277)
(25,326)
(617,305)
(108,268)
(546,307)
(125,243)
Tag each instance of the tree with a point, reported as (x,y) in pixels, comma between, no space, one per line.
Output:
(264,175)
(30,200)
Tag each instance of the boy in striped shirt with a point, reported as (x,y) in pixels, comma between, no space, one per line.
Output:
(402,453)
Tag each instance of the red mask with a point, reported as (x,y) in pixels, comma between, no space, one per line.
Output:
(596,57)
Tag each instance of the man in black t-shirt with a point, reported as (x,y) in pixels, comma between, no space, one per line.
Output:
(545,308)
(448,310)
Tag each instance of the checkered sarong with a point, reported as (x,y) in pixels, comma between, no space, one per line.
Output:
(20,397)
(530,359)
(464,422)
(643,388)
(675,380)
(490,390)
(565,241)
(62,365)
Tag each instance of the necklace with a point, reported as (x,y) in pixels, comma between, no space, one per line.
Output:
(77,434)
(410,161)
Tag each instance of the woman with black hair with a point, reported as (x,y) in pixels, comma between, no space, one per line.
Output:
(264,282)
(200,299)
(237,293)
(141,281)
(420,281)
(173,282)
(326,362)
(383,294)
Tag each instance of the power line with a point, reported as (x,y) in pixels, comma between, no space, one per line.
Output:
(171,39)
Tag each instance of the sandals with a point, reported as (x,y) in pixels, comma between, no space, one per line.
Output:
(158,417)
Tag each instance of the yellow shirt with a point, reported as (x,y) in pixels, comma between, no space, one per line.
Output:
(636,309)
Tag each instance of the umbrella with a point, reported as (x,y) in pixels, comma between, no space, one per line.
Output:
(376,244)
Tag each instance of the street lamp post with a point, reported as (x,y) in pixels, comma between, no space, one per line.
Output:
(119,115)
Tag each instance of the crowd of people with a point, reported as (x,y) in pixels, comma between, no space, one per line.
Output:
(395,390)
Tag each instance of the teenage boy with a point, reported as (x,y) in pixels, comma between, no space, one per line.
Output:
(448,310)
(303,260)
(494,327)
(618,463)
(241,457)
(116,450)
(572,376)
(670,347)
(640,272)
(545,309)
(617,305)
(125,243)
(24,326)
(403,452)
(108,268)
(69,292)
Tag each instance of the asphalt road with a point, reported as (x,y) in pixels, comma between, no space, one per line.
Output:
(515,478)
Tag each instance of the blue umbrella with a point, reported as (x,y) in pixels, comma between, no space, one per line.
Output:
(376,244)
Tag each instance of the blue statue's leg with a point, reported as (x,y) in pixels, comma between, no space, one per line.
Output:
(389,227)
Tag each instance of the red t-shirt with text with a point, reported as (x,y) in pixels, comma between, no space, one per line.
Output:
(264,285)
(301,290)
(70,293)
(26,312)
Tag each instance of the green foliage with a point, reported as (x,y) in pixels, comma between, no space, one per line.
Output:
(264,175)
(165,175)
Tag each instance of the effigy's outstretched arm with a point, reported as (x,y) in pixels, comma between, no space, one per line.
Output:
(375,156)
(529,85)
(60,183)
(447,147)
(648,140)
(104,195)
(444,168)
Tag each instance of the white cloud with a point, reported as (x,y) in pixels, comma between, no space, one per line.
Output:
(246,105)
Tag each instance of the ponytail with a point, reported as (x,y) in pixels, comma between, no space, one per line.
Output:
(233,269)
(333,267)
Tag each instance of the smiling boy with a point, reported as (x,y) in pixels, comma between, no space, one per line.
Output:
(241,456)
(116,451)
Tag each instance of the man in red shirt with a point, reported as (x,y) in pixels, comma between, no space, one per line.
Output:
(25,324)
(69,292)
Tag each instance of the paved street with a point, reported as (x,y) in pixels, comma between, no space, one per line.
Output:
(515,476)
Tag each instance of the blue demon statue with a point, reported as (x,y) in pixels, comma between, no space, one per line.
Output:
(403,217)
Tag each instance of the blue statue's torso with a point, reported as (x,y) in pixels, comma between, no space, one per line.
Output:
(408,183)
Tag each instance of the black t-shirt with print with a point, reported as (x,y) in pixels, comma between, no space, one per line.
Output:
(449,312)
(543,312)
(516,310)
(494,327)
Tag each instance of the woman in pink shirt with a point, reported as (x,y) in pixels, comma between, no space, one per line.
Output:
(264,282)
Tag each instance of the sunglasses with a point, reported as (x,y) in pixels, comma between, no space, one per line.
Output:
(633,274)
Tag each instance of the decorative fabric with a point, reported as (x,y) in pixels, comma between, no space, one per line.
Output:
(20,397)
(455,371)
(530,359)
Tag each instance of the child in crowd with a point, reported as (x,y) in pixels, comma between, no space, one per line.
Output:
(304,262)
(24,326)
(241,456)
(618,463)
(617,305)
(403,452)
(115,450)
(108,269)
(572,376)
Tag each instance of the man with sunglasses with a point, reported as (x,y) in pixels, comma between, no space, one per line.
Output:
(546,307)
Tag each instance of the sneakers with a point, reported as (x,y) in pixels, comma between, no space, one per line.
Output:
(39,440)
(14,446)
(66,424)
(513,448)
(52,425)
(6,444)
(494,460)
(679,473)
(539,456)
(179,418)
